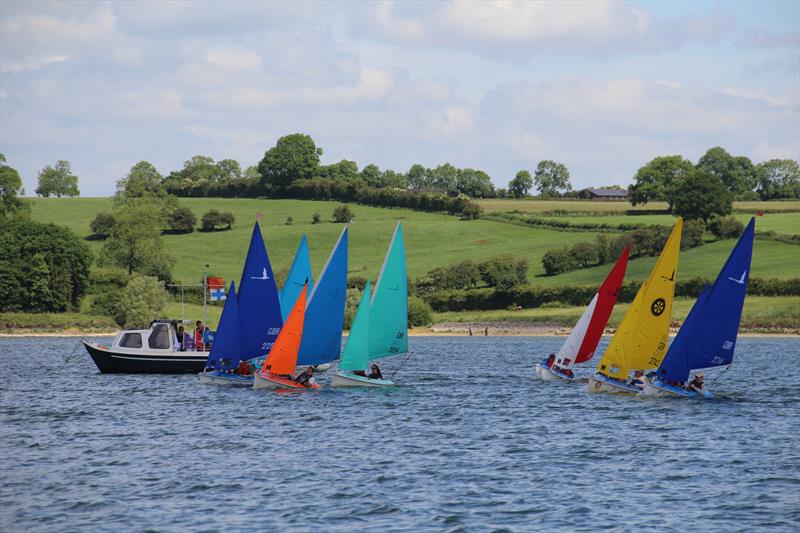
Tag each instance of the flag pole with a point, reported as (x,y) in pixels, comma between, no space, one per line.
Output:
(205,295)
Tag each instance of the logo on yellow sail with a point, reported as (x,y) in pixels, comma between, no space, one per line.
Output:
(658,306)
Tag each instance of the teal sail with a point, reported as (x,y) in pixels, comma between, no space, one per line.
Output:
(708,336)
(299,275)
(324,319)
(388,324)
(356,351)
(226,351)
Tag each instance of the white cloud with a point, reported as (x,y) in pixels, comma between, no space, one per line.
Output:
(31,63)
(232,57)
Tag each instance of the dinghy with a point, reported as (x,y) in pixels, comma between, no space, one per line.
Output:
(380,327)
(708,336)
(582,342)
(299,275)
(324,317)
(641,340)
(259,311)
(226,348)
(276,371)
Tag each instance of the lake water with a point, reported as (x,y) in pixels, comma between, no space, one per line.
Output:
(470,442)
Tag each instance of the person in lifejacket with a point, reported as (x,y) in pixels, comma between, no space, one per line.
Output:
(550,360)
(697,384)
(306,377)
(198,336)
(375,373)
(244,368)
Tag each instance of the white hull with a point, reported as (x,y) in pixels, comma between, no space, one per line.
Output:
(598,385)
(546,374)
(340,379)
(261,383)
(232,380)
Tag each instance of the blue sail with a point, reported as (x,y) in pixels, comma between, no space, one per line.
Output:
(322,330)
(299,275)
(226,350)
(713,324)
(260,318)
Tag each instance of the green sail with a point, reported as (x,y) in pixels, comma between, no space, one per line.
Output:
(388,324)
(356,351)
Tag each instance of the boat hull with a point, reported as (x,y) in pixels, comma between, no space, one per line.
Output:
(346,379)
(114,362)
(272,381)
(548,374)
(324,367)
(228,380)
(599,383)
(659,389)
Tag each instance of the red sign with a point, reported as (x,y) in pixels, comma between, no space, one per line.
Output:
(216,283)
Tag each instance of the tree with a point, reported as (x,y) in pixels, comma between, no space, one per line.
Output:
(419,312)
(316,218)
(214,220)
(737,173)
(142,299)
(725,227)
(142,181)
(660,179)
(135,242)
(390,178)
(445,177)
(294,157)
(778,178)
(417,177)
(702,196)
(11,205)
(101,225)
(372,175)
(181,220)
(343,213)
(474,183)
(43,267)
(57,181)
(521,184)
(341,170)
(228,169)
(504,271)
(552,178)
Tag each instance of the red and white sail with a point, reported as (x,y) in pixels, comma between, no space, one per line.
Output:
(585,336)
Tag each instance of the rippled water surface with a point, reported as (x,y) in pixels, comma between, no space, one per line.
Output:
(470,442)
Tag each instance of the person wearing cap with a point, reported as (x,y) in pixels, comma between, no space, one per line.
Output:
(697,383)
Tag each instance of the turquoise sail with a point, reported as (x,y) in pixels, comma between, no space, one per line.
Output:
(299,275)
(708,336)
(260,316)
(324,319)
(226,350)
(355,355)
(388,324)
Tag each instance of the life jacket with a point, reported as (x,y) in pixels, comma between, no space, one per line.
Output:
(198,338)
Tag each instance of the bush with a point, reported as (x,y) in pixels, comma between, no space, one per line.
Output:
(214,220)
(471,211)
(108,278)
(352,299)
(558,261)
(585,254)
(725,228)
(101,225)
(356,282)
(289,221)
(316,218)
(343,214)
(504,272)
(692,235)
(419,312)
(181,220)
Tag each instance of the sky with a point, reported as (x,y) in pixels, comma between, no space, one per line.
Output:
(601,86)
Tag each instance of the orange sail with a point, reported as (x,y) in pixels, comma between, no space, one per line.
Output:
(282,359)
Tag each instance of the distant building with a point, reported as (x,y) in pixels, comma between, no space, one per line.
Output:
(604,194)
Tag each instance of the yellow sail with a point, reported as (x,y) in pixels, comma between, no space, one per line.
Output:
(640,342)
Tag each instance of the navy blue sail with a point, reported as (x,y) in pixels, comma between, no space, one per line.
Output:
(708,336)
(322,330)
(226,351)
(260,318)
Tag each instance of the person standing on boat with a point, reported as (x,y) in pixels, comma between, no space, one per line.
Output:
(180,345)
(376,373)
(306,378)
(198,336)
(697,383)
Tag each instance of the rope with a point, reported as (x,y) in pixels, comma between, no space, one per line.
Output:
(400,366)
(75,350)
(719,376)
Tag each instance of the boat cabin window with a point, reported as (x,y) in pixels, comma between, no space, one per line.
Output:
(131,340)
(159,337)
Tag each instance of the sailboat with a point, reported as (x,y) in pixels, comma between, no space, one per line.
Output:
(641,340)
(277,369)
(708,336)
(259,311)
(227,347)
(380,327)
(299,275)
(582,341)
(324,320)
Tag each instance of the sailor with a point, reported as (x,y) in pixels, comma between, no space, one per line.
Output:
(198,336)
(550,360)
(376,373)
(697,383)
(306,378)
(638,379)
(178,341)
(244,368)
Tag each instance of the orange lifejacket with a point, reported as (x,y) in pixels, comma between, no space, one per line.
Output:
(198,339)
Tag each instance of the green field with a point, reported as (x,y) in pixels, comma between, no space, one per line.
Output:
(760,312)
(431,240)
(531,205)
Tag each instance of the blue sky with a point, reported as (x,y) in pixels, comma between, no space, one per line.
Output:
(601,86)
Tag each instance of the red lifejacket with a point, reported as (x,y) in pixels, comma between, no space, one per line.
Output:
(198,339)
